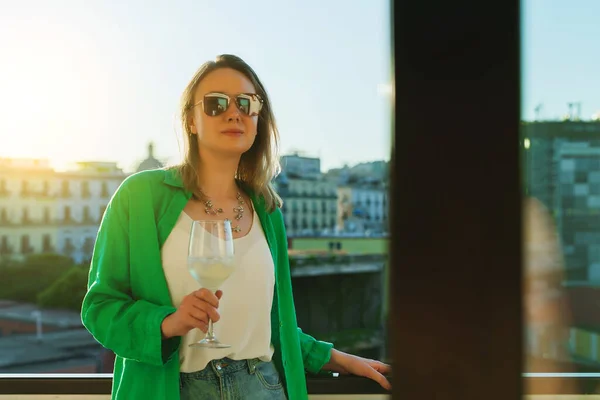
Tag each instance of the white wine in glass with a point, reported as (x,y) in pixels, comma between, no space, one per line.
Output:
(210,262)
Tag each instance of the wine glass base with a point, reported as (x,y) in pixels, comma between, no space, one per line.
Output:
(210,344)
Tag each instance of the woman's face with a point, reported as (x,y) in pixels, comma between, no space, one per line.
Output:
(225,129)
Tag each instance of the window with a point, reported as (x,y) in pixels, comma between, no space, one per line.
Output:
(46,244)
(85,190)
(25,245)
(88,161)
(5,248)
(25,189)
(68,247)
(104,191)
(335,245)
(67,216)
(25,218)
(86,214)
(560,152)
(88,247)
(65,191)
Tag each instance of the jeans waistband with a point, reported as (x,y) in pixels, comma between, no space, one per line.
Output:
(224,366)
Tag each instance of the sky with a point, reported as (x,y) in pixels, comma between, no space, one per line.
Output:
(560,57)
(98,80)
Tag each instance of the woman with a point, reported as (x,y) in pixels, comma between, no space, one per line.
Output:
(143,305)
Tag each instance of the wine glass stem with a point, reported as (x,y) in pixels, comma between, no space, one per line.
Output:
(209,333)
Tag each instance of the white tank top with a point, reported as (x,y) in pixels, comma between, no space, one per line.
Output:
(245,307)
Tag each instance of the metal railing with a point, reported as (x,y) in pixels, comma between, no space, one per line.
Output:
(100,384)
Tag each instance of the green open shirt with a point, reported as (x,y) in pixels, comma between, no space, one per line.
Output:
(128,297)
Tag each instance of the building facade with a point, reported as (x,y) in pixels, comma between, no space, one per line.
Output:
(309,200)
(362,209)
(298,166)
(350,201)
(45,211)
(562,170)
(150,162)
(309,206)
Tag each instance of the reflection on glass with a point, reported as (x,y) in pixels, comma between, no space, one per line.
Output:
(560,147)
(545,302)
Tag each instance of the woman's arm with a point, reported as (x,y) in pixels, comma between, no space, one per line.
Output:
(345,363)
(315,353)
(318,355)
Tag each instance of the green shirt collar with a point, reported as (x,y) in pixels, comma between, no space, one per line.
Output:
(173,178)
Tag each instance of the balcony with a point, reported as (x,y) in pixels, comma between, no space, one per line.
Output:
(333,263)
(89,220)
(98,386)
(64,359)
(27,249)
(85,221)
(6,250)
(27,221)
(537,386)
(304,195)
(6,222)
(37,195)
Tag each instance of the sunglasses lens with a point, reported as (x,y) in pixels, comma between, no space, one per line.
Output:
(215,105)
(243,104)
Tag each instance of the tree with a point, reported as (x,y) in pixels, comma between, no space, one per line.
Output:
(23,281)
(67,292)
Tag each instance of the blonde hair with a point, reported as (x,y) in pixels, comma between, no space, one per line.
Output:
(260,164)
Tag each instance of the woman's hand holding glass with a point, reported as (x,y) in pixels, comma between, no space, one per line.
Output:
(194,312)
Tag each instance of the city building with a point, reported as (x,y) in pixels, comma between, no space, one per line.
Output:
(362,209)
(309,205)
(309,201)
(150,162)
(562,170)
(299,166)
(46,211)
(350,201)
(374,171)
(84,194)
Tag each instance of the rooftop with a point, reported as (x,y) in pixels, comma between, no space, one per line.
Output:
(54,351)
(27,313)
(150,162)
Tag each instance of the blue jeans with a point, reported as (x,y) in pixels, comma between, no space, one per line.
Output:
(228,379)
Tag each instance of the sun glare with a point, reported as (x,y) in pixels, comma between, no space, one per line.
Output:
(43,86)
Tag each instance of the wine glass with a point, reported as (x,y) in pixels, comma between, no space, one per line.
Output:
(210,262)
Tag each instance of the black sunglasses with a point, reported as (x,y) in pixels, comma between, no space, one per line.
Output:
(216,103)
